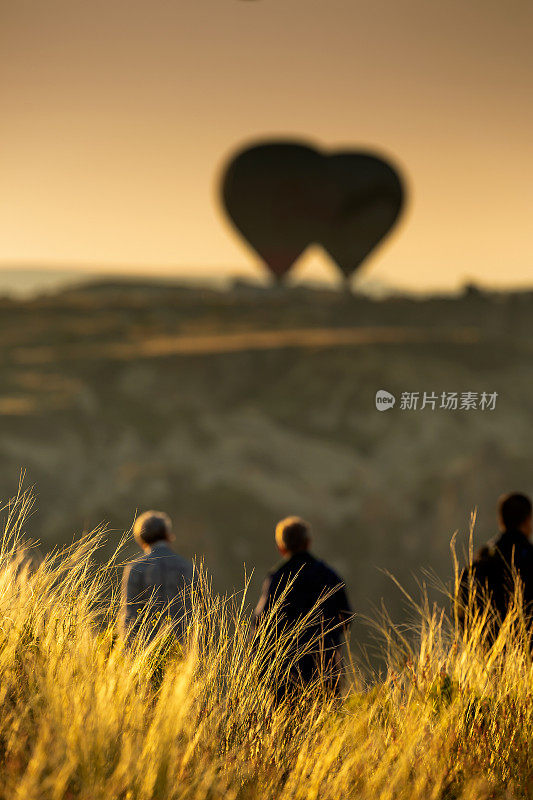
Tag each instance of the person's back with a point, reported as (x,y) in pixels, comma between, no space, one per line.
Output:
(309,587)
(497,564)
(156,586)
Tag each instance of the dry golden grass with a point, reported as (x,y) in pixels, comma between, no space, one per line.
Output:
(81,717)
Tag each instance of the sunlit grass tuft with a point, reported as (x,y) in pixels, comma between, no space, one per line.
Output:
(84,717)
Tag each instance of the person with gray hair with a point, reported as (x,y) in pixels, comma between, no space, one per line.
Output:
(156,587)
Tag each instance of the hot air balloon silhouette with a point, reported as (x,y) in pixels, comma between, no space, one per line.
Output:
(283,196)
(369,199)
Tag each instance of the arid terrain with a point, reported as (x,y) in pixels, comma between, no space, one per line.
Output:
(232,408)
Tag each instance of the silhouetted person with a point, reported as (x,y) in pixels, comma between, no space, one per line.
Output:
(495,565)
(311,580)
(156,586)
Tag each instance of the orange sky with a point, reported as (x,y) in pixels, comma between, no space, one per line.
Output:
(117,115)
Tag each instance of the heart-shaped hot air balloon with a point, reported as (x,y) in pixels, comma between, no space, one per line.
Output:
(369,199)
(272,193)
(283,196)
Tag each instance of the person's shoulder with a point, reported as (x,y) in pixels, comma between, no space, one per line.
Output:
(332,575)
(136,565)
(486,557)
(487,550)
(180,562)
(281,568)
(294,566)
(166,555)
(509,543)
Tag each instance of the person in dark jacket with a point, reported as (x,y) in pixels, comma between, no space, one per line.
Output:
(500,562)
(307,582)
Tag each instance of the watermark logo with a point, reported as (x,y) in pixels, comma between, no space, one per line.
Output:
(384,400)
(448,401)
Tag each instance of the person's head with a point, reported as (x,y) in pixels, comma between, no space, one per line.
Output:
(152,527)
(292,536)
(514,511)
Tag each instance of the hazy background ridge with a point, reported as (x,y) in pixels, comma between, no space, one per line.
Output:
(230,409)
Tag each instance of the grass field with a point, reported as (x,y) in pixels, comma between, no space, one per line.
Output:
(82,717)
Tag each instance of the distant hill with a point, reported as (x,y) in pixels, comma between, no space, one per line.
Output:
(232,408)
(26,282)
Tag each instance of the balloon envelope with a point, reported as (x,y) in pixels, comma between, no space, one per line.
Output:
(283,196)
(272,193)
(369,200)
